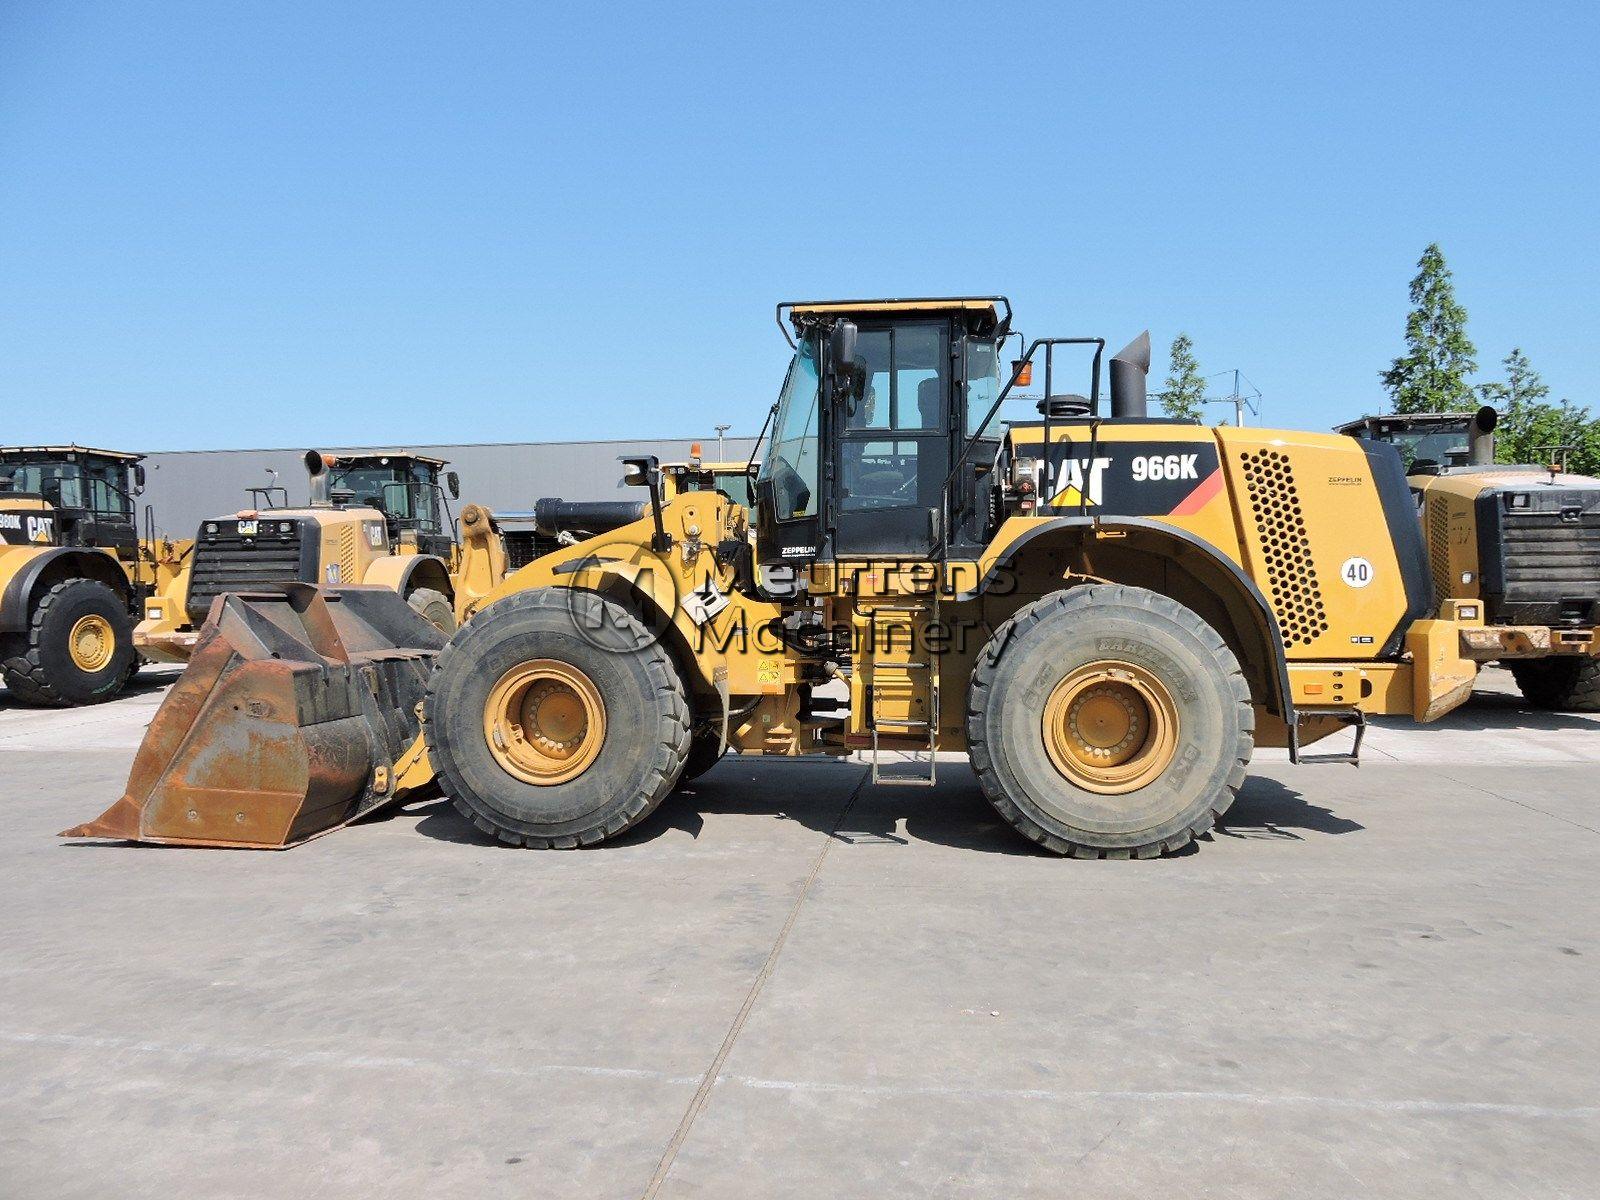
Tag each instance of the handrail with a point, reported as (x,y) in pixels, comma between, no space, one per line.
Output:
(1049,345)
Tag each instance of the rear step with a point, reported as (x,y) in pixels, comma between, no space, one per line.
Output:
(1353,717)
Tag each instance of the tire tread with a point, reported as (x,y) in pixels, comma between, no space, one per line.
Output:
(671,751)
(1023,621)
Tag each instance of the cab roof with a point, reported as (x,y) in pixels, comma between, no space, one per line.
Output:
(1400,420)
(348,460)
(998,308)
(118,454)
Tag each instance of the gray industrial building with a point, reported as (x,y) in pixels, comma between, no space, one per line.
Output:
(184,487)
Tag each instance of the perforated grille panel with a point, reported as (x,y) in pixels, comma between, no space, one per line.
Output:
(1439,546)
(1281,532)
(347,554)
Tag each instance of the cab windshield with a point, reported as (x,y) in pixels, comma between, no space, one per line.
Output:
(792,465)
(734,484)
(1439,445)
(406,495)
(95,486)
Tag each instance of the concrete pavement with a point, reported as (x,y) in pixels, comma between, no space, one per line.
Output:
(1382,982)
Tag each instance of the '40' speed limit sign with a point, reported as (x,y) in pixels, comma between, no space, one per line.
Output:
(1357,572)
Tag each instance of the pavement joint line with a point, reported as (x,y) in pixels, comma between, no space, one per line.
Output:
(369,1062)
(1523,804)
(714,1071)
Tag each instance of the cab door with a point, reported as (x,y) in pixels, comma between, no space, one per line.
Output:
(893,442)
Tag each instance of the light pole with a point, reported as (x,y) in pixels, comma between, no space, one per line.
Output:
(721,430)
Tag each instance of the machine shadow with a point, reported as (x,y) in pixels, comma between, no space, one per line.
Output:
(1267,809)
(1499,712)
(140,685)
(953,814)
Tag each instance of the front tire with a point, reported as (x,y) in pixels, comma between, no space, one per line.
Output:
(545,738)
(1109,722)
(1563,684)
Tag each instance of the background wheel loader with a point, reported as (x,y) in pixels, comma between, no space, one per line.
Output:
(380,519)
(1523,539)
(73,572)
(554,523)
(1106,611)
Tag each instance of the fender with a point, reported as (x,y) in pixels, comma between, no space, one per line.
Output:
(1268,636)
(16,601)
(403,572)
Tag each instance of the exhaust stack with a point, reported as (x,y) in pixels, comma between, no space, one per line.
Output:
(1129,367)
(1481,446)
(317,464)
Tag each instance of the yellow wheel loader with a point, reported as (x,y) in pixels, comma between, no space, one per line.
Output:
(554,523)
(73,572)
(1107,612)
(1524,540)
(380,519)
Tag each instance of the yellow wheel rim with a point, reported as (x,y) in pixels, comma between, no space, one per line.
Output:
(92,644)
(1110,727)
(545,722)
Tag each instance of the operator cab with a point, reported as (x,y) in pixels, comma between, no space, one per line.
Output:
(91,492)
(406,489)
(1431,443)
(875,410)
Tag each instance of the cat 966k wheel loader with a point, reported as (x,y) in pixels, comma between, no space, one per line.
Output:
(1107,612)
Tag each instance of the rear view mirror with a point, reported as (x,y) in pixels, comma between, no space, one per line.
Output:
(643,471)
(138,478)
(453,482)
(842,345)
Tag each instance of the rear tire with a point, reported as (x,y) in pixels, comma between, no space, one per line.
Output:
(435,608)
(546,739)
(1109,722)
(1563,684)
(78,648)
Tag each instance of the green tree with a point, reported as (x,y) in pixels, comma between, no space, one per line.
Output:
(1530,425)
(1431,376)
(1541,427)
(1520,397)
(1185,393)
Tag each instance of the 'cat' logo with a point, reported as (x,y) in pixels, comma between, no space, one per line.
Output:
(1085,480)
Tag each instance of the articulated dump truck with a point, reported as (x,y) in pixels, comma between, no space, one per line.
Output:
(1105,611)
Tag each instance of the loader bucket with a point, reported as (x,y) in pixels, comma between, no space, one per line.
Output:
(287,723)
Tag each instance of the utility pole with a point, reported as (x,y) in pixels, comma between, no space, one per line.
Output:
(1241,400)
(721,431)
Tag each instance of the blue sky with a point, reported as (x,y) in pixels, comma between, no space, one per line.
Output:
(324,223)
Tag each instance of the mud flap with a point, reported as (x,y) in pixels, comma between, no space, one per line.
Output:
(295,707)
